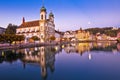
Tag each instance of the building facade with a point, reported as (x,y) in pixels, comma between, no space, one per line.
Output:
(2,30)
(43,28)
(82,35)
(118,35)
(77,35)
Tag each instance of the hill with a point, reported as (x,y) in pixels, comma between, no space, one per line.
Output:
(110,31)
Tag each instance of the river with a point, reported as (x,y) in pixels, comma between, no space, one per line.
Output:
(76,61)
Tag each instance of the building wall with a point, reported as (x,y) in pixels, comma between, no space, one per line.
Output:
(44,30)
(118,35)
(82,35)
(2,30)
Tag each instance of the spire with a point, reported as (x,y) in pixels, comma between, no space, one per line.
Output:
(43,8)
(42,2)
(23,21)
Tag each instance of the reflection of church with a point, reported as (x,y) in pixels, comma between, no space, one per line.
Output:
(43,56)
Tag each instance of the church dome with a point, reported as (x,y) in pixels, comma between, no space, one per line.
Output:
(51,14)
(43,9)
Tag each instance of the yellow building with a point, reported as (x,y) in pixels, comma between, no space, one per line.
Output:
(43,28)
(82,35)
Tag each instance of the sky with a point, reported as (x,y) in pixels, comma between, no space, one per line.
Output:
(69,14)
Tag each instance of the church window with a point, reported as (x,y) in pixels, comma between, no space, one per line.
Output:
(42,17)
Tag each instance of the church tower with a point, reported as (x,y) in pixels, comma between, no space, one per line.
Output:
(43,16)
(43,13)
(51,17)
(43,62)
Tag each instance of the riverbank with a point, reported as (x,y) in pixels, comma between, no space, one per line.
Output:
(24,45)
(29,45)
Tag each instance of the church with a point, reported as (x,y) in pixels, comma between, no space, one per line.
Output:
(43,28)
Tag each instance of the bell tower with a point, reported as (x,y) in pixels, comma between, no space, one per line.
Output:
(43,26)
(43,13)
(51,17)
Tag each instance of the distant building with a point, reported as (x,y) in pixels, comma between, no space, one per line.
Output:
(69,35)
(82,35)
(115,28)
(58,35)
(2,30)
(118,35)
(101,36)
(77,35)
(43,28)
(104,37)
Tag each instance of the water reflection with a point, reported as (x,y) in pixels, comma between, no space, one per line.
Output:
(10,56)
(81,48)
(45,56)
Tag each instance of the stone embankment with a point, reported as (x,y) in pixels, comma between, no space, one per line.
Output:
(27,45)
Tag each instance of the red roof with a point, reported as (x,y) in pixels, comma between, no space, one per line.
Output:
(30,24)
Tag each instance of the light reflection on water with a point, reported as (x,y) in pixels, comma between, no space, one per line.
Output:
(86,61)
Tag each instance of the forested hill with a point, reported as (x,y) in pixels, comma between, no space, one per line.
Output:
(110,31)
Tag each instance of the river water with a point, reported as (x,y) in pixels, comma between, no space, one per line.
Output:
(76,61)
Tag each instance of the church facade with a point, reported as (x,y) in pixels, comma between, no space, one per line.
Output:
(43,28)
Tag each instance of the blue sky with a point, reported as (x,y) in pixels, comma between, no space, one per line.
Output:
(69,14)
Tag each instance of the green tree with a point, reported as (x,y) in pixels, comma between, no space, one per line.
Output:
(52,38)
(106,30)
(35,38)
(7,38)
(1,38)
(20,38)
(10,38)
(11,29)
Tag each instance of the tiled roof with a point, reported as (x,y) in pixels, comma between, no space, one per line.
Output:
(29,24)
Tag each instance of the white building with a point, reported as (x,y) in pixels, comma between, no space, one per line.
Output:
(43,28)
(58,35)
(69,34)
(118,35)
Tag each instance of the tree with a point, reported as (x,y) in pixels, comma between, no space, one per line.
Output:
(20,38)
(52,38)
(11,29)
(7,38)
(107,30)
(1,38)
(10,38)
(35,38)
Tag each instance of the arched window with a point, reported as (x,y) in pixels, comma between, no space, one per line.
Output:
(42,17)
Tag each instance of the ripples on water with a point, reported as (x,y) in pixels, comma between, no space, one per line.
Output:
(80,61)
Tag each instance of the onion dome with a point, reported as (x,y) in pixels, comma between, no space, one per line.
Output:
(43,9)
(51,14)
